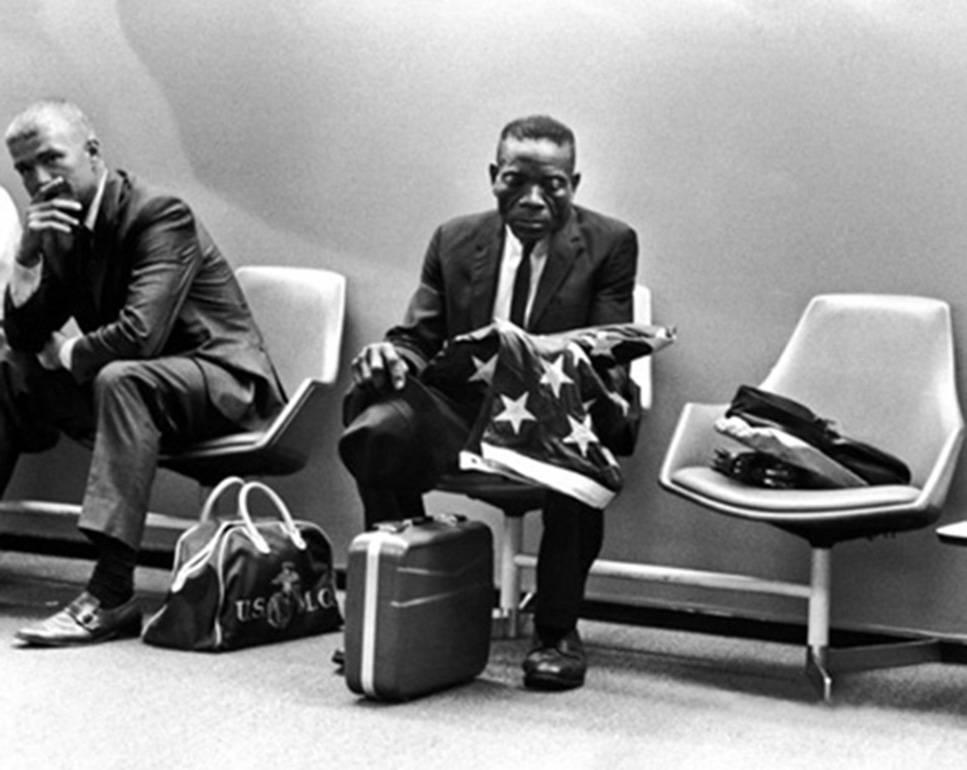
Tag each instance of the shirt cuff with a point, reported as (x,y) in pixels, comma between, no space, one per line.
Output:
(24,282)
(66,351)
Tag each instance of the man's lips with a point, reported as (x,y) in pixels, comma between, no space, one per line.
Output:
(529,222)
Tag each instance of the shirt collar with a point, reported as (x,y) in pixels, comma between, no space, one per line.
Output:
(95,207)
(540,248)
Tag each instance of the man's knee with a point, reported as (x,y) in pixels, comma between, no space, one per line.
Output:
(405,439)
(118,377)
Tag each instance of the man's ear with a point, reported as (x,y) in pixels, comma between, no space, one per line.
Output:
(93,147)
(575,181)
(493,173)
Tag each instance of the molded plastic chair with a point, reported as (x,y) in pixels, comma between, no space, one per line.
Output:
(516,499)
(883,367)
(300,312)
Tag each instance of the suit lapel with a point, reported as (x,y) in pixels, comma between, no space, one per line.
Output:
(99,257)
(564,248)
(488,250)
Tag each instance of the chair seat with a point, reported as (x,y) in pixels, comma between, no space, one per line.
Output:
(791,504)
(953,534)
(231,441)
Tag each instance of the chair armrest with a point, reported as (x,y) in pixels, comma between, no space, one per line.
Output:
(641,374)
(937,484)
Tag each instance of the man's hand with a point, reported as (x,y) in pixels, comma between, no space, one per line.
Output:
(49,356)
(380,366)
(51,217)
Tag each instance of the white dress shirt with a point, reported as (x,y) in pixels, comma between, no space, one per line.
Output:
(509,261)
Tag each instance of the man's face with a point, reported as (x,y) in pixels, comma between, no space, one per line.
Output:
(534,182)
(54,149)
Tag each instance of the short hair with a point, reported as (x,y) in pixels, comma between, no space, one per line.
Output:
(539,127)
(27,121)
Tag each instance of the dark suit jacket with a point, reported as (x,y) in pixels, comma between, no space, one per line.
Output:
(588,279)
(152,284)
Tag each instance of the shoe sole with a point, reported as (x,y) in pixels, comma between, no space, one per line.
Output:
(551,683)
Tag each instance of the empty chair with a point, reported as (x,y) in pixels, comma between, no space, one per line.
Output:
(882,366)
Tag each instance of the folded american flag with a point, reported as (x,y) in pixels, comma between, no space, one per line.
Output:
(550,408)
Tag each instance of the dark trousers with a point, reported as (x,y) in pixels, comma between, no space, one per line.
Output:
(129,414)
(572,535)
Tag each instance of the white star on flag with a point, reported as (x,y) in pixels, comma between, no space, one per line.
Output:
(581,434)
(603,344)
(484,370)
(515,411)
(555,377)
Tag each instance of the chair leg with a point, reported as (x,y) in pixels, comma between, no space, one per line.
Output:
(510,546)
(818,624)
(823,661)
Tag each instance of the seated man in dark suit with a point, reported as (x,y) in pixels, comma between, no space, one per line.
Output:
(546,265)
(167,353)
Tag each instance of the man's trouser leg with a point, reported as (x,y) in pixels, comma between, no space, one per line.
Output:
(141,407)
(571,541)
(36,405)
(397,445)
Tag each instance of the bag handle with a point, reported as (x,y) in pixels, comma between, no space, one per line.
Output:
(287,521)
(220,489)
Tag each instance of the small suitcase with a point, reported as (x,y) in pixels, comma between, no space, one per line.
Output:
(418,605)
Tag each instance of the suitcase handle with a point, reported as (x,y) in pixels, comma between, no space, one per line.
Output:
(287,521)
(216,493)
(398,526)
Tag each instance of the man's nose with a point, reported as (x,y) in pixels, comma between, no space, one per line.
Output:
(35,179)
(532,196)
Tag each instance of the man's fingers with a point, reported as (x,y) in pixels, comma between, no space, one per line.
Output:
(53,218)
(367,367)
(61,227)
(397,372)
(361,369)
(379,365)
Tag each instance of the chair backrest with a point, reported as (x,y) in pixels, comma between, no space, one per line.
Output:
(641,367)
(883,367)
(300,312)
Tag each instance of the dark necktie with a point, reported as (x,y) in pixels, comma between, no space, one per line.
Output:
(522,285)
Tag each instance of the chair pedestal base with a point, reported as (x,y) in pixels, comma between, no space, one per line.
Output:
(823,662)
(505,623)
(512,619)
(818,675)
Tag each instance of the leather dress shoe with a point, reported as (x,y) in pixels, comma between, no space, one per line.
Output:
(83,621)
(558,666)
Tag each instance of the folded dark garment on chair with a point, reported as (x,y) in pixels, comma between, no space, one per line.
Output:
(764,409)
(764,470)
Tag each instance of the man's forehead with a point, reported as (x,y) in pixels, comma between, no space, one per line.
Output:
(29,142)
(535,152)
(48,125)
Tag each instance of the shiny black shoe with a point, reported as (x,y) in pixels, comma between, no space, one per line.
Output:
(84,622)
(558,666)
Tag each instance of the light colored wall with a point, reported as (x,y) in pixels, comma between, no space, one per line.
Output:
(765,150)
